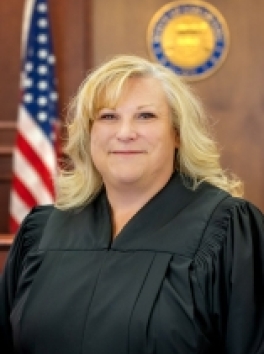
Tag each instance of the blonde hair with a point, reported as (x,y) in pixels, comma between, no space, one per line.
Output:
(198,157)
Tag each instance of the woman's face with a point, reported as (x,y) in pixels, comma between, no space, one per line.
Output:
(134,143)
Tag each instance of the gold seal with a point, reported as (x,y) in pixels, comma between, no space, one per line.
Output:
(190,37)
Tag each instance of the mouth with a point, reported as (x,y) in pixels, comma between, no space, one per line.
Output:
(127,152)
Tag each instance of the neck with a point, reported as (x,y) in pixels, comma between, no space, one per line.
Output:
(125,202)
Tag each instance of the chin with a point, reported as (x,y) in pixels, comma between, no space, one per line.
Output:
(127,178)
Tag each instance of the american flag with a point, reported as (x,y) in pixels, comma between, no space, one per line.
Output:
(34,157)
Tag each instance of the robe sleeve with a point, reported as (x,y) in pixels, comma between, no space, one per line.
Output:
(25,241)
(228,279)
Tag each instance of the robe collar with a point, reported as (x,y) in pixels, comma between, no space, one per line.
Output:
(91,229)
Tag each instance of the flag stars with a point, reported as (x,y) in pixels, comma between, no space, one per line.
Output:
(29,66)
(27,83)
(42,38)
(51,59)
(54,96)
(28,98)
(42,53)
(42,70)
(42,85)
(42,101)
(42,23)
(42,8)
(42,116)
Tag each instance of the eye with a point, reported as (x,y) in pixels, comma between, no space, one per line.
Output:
(146,115)
(107,116)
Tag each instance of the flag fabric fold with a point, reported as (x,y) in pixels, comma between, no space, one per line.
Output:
(35,155)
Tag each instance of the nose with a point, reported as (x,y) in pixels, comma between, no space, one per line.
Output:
(126,130)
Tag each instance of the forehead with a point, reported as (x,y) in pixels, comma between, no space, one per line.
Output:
(144,86)
(145,90)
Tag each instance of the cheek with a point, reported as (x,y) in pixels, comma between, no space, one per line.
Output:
(168,144)
(94,144)
(167,139)
(100,135)
(95,153)
(96,137)
(99,144)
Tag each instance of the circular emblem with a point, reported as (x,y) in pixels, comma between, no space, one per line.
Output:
(189,37)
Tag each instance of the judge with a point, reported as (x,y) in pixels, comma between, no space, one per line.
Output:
(150,247)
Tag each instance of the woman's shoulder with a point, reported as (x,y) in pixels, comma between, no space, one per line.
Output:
(31,230)
(25,242)
(234,222)
(38,214)
(227,275)
(35,221)
(236,213)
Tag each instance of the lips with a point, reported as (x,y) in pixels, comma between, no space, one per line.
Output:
(127,152)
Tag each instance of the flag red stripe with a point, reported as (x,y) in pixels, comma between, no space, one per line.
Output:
(36,162)
(13,224)
(23,192)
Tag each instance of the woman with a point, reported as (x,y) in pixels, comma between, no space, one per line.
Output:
(148,248)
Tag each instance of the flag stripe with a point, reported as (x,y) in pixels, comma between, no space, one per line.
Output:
(30,179)
(41,169)
(13,223)
(17,209)
(23,192)
(40,144)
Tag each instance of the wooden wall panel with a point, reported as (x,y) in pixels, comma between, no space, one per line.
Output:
(233,96)
(10,33)
(5,243)
(72,34)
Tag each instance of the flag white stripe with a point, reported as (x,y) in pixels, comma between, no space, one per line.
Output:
(38,141)
(18,208)
(30,179)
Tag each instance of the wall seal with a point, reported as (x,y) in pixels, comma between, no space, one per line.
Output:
(189,37)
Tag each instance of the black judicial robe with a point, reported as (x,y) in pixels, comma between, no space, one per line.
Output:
(184,276)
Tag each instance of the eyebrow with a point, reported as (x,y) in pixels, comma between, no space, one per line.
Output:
(138,107)
(151,105)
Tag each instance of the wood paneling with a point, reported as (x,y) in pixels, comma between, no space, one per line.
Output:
(72,34)
(233,96)
(10,25)
(5,243)
(7,138)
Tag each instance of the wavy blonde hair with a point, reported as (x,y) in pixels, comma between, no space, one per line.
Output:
(198,157)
